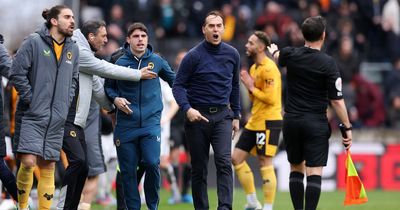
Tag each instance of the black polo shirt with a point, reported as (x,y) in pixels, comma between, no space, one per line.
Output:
(312,80)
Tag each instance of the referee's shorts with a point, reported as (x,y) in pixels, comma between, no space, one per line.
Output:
(306,137)
(262,142)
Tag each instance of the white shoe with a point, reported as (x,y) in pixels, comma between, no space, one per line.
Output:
(7,204)
(256,206)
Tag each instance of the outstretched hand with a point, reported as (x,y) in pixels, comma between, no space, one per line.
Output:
(146,73)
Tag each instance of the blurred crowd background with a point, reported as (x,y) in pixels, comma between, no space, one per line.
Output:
(362,35)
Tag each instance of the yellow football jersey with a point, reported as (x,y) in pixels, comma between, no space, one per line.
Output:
(58,49)
(266,96)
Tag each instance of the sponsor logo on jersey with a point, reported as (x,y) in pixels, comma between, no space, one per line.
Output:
(46,53)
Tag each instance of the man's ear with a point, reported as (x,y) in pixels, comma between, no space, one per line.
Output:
(323,35)
(261,47)
(91,37)
(54,21)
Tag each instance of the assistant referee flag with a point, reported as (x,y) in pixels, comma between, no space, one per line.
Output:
(355,191)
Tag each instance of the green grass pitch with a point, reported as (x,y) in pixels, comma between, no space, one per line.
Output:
(382,200)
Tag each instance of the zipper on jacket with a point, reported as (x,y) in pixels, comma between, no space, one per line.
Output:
(58,63)
(140,97)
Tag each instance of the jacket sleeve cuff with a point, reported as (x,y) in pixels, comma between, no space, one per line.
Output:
(137,75)
(113,110)
(237,115)
(185,108)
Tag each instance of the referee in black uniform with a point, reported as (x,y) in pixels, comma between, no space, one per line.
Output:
(313,80)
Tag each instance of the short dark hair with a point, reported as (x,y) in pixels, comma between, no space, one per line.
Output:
(92,26)
(53,12)
(263,37)
(313,28)
(137,25)
(214,13)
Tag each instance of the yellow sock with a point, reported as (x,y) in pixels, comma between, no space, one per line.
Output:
(246,178)
(24,185)
(269,183)
(46,188)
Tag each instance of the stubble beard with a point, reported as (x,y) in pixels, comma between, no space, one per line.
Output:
(65,32)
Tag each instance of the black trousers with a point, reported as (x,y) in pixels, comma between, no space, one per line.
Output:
(76,173)
(218,134)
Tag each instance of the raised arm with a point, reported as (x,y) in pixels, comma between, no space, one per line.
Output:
(91,65)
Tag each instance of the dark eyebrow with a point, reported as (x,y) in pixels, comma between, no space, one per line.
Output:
(215,24)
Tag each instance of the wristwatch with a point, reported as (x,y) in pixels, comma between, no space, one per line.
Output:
(348,128)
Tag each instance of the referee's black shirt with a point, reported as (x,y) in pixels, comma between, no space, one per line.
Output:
(312,79)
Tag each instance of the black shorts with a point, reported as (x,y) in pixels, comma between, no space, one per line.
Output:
(261,142)
(306,138)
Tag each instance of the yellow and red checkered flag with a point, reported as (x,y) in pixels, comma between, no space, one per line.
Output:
(355,191)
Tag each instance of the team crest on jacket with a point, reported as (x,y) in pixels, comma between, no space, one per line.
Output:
(72,133)
(151,65)
(69,55)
